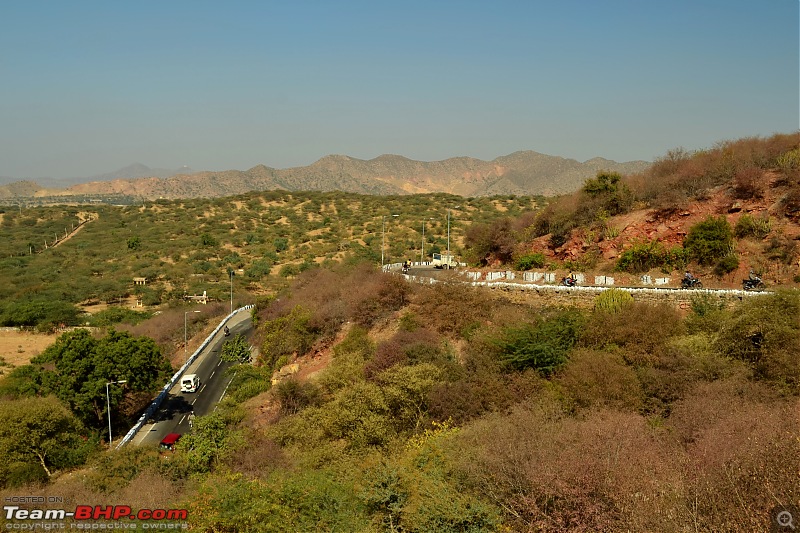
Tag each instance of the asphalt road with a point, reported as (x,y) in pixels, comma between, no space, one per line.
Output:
(173,415)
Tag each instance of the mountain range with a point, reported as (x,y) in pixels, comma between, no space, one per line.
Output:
(523,173)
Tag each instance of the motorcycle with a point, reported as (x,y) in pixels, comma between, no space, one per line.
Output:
(227,331)
(691,283)
(752,284)
(569,282)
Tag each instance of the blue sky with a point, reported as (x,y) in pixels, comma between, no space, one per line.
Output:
(87,87)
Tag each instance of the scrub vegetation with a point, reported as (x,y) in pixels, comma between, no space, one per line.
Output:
(440,407)
(627,417)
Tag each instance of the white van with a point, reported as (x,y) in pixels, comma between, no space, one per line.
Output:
(190,383)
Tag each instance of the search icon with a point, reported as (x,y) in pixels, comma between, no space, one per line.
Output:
(785,519)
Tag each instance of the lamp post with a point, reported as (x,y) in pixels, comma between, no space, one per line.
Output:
(383,235)
(448,232)
(422,253)
(184,333)
(448,235)
(108,406)
(231,276)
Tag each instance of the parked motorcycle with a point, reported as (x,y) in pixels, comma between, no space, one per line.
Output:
(752,284)
(691,283)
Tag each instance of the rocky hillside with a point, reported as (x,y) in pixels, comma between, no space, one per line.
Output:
(751,184)
(522,173)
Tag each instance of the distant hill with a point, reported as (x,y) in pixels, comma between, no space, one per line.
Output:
(523,173)
(47,186)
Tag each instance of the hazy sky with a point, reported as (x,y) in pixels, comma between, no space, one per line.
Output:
(87,87)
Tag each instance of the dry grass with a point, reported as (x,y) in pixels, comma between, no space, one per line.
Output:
(18,347)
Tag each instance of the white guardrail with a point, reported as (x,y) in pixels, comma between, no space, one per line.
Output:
(165,391)
(547,281)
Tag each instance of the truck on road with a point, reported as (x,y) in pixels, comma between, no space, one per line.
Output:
(444,260)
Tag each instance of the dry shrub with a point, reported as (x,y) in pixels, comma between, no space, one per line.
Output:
(596,380)
(466,399)
(319,290)
(641,330)
(359,293)
(681,174)
(743,455)
(454,308)
(749,183)
(397,350)
(377,297)
(260,457)
(150,490)
(608,472)
(167,328)
(790,204)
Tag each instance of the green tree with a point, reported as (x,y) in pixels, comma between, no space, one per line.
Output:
(543,346)
(208,442)
(709,241)
(236,350)
(281,244)
(36,431)
(208,240)
(615,196)
(286,335)
(78,366)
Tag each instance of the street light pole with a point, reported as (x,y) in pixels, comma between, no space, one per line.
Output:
(448,236)
(184,333)
(448,232)
(108,406)
(383,235)
(422,253)
(231,276)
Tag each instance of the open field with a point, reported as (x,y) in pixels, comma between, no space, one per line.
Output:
(18,347)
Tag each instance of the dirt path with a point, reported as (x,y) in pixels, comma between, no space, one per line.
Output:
(82,223)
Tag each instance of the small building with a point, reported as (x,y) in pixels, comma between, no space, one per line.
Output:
(140,281)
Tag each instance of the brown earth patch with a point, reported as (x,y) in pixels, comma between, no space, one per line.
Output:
(18,347)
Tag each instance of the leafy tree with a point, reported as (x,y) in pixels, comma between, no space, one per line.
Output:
(45,314)
(286,335)
(765,332)
(529,261)
(208,240)
(134,243)
(281,244)
(709,240)
(541,346)
(259,268)
(208,442)
(77,368)
(236,350)
(494,240)
(36,431)
(417,490)
(614,196)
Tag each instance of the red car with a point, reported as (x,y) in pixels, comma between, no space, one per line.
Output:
(168,442)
